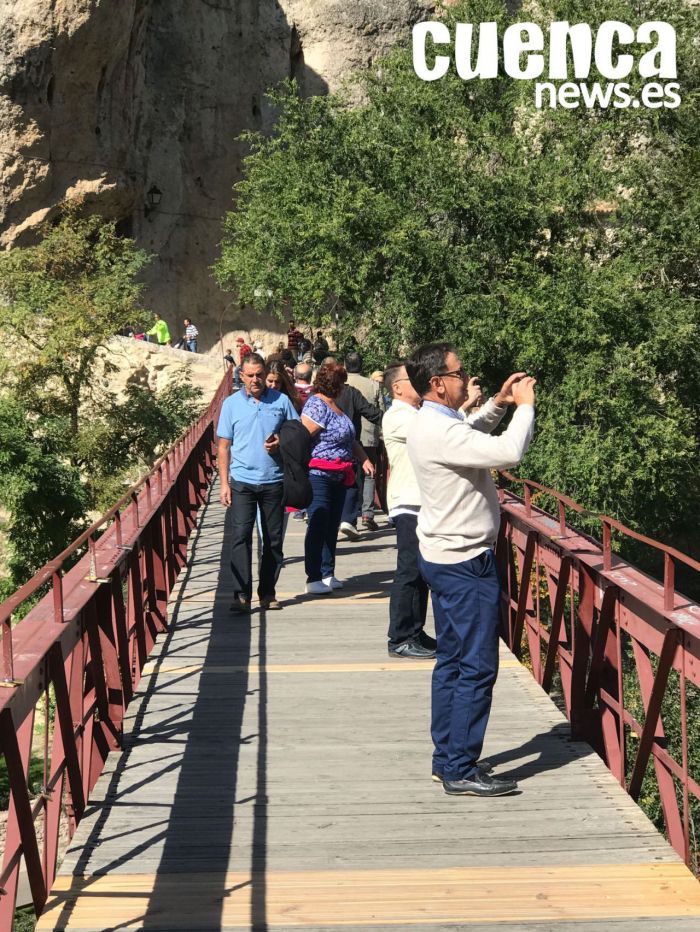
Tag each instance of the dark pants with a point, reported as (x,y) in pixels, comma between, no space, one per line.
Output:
(322,529)
(352,506)
(466,603)
(368,485)
(245,500)
(408,604)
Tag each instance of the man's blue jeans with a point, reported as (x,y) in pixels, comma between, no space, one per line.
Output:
(192,346)
(466,604)
(322,529)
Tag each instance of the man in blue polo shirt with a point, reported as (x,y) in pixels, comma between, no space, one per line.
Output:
(250,472)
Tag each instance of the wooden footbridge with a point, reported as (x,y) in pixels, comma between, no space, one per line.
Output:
(273,771)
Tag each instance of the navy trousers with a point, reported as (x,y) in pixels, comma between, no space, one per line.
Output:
(466,604)
(322,529)
(408,604)
(352,504)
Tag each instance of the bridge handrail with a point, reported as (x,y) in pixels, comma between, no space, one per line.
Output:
(85,643)
(625,646)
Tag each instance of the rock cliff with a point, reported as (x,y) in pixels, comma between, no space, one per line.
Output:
(110,98)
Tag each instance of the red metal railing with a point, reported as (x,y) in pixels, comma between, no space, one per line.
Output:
(624,647)
(83,647)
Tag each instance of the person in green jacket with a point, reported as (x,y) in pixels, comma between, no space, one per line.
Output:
(160,331)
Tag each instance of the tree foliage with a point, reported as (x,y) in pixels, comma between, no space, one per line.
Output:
(562,242)
(68,447)
(42,494)
(120,445)
(61,300)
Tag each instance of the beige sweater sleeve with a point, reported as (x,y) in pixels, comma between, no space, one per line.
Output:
(466,446)
(488,417)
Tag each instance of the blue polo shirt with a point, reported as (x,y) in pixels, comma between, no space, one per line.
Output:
(248,423)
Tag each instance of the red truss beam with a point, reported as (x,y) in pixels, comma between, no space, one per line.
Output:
(614,634)
(102,602)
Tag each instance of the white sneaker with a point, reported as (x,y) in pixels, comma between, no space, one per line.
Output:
(349,531)
(318,588)
(332,582)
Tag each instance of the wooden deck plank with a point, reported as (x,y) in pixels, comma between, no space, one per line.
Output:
(276,773)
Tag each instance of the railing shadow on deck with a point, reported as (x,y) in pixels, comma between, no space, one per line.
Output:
(219,705)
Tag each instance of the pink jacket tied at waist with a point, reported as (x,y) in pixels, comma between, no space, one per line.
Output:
(336,466)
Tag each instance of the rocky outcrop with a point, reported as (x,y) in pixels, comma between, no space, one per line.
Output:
(125,361)
(107,99)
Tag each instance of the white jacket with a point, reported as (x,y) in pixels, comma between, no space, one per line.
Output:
(402,489)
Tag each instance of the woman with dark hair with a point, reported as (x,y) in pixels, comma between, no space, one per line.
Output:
(278,378)
(331,471)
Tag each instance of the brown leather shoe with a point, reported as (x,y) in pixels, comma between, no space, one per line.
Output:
(270,605)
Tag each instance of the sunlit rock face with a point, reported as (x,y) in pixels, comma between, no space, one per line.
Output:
(108,99)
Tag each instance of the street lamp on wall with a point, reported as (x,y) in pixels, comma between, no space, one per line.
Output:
(153,198)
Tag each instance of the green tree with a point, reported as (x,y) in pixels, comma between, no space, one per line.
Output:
(563,242)
(62,299)
(122,442)
(43,496)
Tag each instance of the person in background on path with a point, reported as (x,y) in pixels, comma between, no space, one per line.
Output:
(293,338)
(378,377)
(302,380)
(250,473)
(458,523)
(320,348)
(369,438)
(353,403)
(278,378)
(289,360)
(330,471)
(160,331)
(243,351)
(302,383)
(408,603)
(305,354)
(191,334)
(258,348)
(228,358)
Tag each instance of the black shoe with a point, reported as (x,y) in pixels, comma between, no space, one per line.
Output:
(483,767)
(479,784)
(426,641)
(412,650)
(369,523)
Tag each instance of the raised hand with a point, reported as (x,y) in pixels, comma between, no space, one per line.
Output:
(505,396)
(524,391)
(475,396)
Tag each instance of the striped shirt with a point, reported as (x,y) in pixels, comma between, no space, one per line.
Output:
(191,332)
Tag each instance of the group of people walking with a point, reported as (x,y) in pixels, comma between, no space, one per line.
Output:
(440,496)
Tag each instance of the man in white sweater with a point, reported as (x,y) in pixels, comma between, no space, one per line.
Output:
(457,528)
(408,604)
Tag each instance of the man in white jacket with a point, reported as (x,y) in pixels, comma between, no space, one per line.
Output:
(408,604)
(457,528)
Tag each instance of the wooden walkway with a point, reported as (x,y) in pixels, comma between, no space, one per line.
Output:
(276,774)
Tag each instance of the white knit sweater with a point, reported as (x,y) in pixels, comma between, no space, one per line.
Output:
(451,458)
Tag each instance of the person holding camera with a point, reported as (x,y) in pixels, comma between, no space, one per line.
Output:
(458,523)
(251,477)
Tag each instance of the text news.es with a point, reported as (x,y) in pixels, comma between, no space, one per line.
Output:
(523,45)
